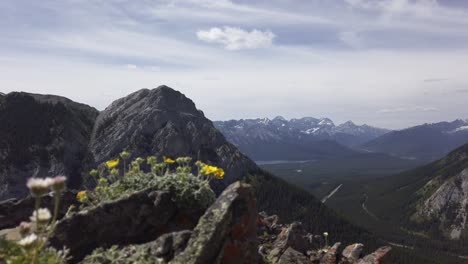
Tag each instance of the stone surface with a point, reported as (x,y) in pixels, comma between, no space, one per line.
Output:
(375,257)
(291,256)
(169,245)
(41,135)
(227,231)
(14,211)
(138,218)
(161,122)
(353,252)
(293,236)
(330,256)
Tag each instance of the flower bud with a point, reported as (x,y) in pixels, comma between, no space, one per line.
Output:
(39,187)
(25,228)
(58,183)
(42,216)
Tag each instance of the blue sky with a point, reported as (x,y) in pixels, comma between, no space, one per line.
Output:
(389,63)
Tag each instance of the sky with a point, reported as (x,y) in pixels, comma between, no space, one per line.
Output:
(387,63)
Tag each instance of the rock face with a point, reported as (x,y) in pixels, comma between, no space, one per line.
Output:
(449,204)
(41,135)
(160,122)
(227,232)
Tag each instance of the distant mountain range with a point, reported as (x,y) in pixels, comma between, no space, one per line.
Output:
(296,139)
(311,138)
(426,142)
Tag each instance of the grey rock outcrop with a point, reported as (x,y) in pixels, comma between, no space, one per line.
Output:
(353,252)
(449,204)
(293,245)
(41,135)
(227,232)
(161,122)
(140,217)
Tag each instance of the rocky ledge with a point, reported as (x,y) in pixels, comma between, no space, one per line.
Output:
(150,227)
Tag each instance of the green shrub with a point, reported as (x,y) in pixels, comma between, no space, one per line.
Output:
(190,190)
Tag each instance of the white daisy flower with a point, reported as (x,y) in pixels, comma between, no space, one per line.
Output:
(28,241)
(39,187)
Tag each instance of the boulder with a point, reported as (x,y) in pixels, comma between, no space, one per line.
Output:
(293,236)
(291,256)
(375,257)
(169,245)
(226,233)
(353,252)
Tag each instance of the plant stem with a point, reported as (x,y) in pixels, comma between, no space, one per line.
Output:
(56,209)
(36,206)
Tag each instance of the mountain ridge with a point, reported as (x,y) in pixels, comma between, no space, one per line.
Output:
(306,138)
(429,141)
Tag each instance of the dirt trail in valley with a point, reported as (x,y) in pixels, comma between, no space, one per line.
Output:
(331,193)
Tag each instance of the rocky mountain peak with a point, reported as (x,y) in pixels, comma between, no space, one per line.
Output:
(279,118)
(349,124)
(326,122)
(162,98)
(159,122)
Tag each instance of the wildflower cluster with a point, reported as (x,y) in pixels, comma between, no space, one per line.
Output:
(168,174)
(31,248)
(210,171)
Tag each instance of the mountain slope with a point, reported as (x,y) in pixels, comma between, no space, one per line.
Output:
(41,135)
(297,139)
(425,142)
(431,200)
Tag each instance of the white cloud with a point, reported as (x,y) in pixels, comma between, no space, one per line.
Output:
(236,38)
(131,66)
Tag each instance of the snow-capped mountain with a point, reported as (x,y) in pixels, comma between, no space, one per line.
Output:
(303,138)
(426,142)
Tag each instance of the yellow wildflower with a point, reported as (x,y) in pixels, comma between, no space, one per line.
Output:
(219,174)
(82,196)
(169,160)
(112,163)
(208,169)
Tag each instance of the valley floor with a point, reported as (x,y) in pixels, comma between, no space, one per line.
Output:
(344,185)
